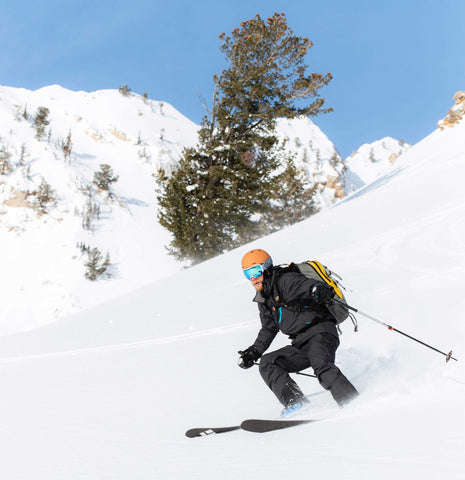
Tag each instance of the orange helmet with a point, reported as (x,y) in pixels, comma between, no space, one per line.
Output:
(256,257)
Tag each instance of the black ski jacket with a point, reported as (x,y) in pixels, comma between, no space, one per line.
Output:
(286,304)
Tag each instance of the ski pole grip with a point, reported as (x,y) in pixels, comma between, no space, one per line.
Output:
(345,305)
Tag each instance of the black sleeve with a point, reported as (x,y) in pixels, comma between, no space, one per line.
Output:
(268,331)
(296,287)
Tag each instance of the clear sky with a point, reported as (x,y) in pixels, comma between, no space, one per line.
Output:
(396,63)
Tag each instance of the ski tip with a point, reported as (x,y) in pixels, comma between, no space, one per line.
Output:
(200,432)
(204,432)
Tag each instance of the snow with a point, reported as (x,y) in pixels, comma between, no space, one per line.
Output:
(108,392)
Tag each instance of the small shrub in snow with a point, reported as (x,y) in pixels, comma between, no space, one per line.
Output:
(372,156)
(25,114)
(66,146)
(44,196)
(90,213)
(124,90)
(104,177)
(84,187)
(96,265)
(26,171)
(41,120)
(5,166)
(22,155)
(83,247)
(144,155)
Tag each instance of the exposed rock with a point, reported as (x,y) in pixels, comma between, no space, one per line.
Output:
(18,199)
(456,113)
(334,183)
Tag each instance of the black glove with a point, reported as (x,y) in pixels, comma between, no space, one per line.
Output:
(248,357)
(321,292)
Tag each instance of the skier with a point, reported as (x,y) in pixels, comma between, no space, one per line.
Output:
(311,328)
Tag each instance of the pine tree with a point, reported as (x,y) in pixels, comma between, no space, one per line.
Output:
(294,198)
(207,206)
(67,147)
(219,197)
(41,120)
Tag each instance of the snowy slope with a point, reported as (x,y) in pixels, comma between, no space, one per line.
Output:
(109,392)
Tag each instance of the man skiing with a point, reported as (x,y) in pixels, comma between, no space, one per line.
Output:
(294,304)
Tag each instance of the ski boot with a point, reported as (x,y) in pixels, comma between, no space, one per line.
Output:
(294,399)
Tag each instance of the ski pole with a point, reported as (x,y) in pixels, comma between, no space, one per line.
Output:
(356,310)
(296,373)
(305,374)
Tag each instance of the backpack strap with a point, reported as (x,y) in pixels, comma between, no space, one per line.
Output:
(277,274)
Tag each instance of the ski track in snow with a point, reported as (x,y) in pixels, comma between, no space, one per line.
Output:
(131,345)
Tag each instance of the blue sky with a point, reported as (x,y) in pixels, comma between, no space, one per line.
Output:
(396,64)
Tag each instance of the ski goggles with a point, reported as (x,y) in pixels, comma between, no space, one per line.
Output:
(254,272)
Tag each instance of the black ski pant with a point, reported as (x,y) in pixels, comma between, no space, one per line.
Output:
(318,352)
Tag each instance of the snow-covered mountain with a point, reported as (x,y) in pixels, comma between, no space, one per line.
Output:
(44,250)
(46,243)
(108,393)
(371,161)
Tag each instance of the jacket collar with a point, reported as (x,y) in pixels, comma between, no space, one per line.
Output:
(259,298)
(267,291)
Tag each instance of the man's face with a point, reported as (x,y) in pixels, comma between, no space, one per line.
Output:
(257,283)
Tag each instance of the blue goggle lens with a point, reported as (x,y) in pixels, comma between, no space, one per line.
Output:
(253,272)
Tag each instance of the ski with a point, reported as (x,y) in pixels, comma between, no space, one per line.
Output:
(250,425)
(203,432)
(262,426)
